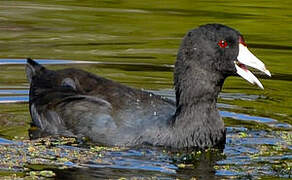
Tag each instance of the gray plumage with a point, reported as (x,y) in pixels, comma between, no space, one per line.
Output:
(74,102)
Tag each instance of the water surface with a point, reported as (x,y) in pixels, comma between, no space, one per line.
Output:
(135,43)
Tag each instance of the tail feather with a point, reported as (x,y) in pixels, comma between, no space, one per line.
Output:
(32,68)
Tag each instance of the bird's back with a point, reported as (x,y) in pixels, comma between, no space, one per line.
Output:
(77,103)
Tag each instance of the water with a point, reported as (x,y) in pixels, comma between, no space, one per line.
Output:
(135,43)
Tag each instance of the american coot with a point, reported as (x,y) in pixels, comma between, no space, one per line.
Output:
(72,102)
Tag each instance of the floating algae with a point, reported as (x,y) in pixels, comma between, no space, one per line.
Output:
(39,158)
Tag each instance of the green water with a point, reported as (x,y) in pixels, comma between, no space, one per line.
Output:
(135,42)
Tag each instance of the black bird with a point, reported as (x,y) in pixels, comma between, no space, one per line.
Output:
(72,102)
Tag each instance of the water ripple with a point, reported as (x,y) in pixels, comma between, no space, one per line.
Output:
(244,117)
(13,91)
(13,99)
(44,61)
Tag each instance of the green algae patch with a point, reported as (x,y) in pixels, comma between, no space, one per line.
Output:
(271,158)
(39,158)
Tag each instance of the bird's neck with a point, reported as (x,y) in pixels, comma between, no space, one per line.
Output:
(195,87)
(196,117)
(196,98)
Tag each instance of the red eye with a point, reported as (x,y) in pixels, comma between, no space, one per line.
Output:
(222,44)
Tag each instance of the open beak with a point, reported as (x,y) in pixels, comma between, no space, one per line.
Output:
(246,58)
